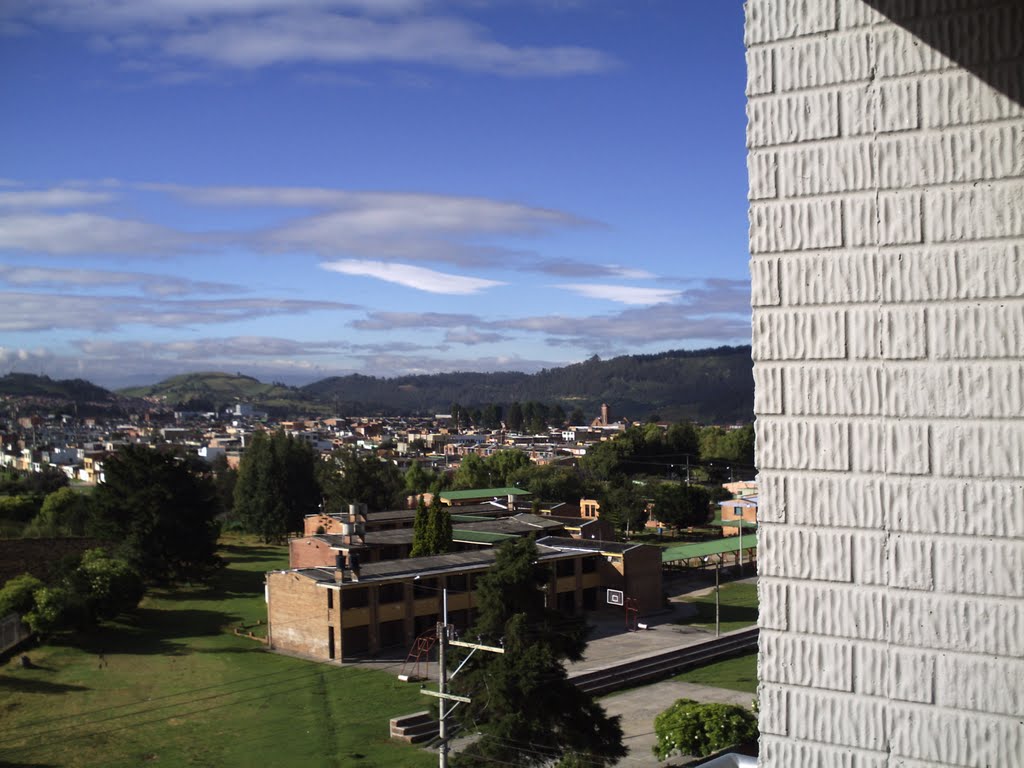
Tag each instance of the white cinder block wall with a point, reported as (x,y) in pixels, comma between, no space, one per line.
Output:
(887,258)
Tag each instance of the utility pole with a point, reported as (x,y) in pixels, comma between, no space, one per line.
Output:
(442,679)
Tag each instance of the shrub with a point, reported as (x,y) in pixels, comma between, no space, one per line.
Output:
(690,728)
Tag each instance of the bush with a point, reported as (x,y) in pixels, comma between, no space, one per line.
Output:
(690,728)
(16,596)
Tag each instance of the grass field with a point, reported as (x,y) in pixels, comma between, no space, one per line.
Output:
(738,607)
(173,686)
(736,674)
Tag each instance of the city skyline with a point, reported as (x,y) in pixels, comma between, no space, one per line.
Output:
(401,186)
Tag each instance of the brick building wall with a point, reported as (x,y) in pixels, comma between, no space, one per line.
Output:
(886,165)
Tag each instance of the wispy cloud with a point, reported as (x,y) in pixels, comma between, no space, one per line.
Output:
(56,197)
(154,285)
(623,294)
(48,311)
(247,34)
(67,233)
(573,268)
(420,278)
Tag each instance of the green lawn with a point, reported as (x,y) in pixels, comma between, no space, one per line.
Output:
(738,608)
(736,674)
(173,686)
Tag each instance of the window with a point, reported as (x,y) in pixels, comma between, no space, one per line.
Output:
(391,593)
(355,598)
(330,599)
(589,564)
(565,568)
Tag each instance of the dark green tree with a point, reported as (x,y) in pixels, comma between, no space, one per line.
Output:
(624,506)
(277,485)
(16,595)
(348,477)
(514,418)
(163,513)
(548,482)
(420,523)
(682,506)
(560,722)
(473,472)
(577,418)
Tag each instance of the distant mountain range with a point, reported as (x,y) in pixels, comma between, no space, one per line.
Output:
(708,385)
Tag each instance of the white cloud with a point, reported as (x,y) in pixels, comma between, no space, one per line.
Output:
(248,34)
(62,234)
(57,197)
(155,285)
(420,278)
(623,294)
(49,311)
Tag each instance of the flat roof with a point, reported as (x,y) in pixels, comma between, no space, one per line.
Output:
(705,548)
(482,493)
(390,570)
(589,545)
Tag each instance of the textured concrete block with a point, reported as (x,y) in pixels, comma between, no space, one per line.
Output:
(773,715)
(774,120)
(891,334)
(871,669)
(804,554)
(989,390)
(980,567)
(979,450)
(960,98)
(952,157)
(775,751)
(880,108)
(833,390)
(907,448)
(760,78)
(834,610)
(837,719)
(764,280)
(795,226)
(945,737)
(975,684)
(813,62)
(870,551)
(768,21)
(897,52)
(955,507)
(977,330)
(918,276)
(856,13)
(799,335)
(771,507)
(945,622)
(993,271)
(975,213)
(804,660)
(816,169)
(868,446)
(803,445)
(836,278)
(912,562)
(838,501)
(773,604)
(768,389)
(761,171)
(888,218)
(893,673)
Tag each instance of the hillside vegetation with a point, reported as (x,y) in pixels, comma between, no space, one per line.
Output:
(709,385)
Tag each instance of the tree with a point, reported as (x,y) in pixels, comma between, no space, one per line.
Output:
(561,722)
(473,472)
(502,465)
(549,482)
(277,485)
(681,506)
(162,512)
(514,417)
(689,728)
(623,506)
(350,478)
(432,530)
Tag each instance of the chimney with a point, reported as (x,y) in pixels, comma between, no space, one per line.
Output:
(339,567)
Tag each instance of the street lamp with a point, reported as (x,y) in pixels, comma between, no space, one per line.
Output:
(718,603)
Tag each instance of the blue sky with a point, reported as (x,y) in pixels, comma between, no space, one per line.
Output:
(300,189)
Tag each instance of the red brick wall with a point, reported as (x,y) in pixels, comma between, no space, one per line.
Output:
(310,552)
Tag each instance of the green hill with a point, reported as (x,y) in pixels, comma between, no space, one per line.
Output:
(208,391)
(709,385)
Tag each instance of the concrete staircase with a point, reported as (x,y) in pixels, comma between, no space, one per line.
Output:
(415,728)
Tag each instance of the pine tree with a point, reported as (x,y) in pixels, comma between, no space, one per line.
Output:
(419,531)
(560,723)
